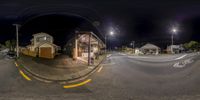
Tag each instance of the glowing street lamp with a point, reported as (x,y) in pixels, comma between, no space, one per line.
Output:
(17,38)
(111,33)
(174,31)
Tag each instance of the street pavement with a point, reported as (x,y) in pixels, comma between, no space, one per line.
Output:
(61,69)
(121,77)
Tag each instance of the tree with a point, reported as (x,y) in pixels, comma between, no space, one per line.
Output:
(192,45)
(10,44)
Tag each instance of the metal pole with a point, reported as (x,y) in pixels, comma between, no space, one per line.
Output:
(105,44)
(76,47)
(17,38)
(89,50)
(133,44)
(172,40)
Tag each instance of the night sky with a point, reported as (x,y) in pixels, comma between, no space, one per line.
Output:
(62,29)
(142,21)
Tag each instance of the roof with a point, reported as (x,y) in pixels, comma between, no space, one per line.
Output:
(174,46)
(89,32)
(42,43)
(30,45)
(41,33)
(150,46)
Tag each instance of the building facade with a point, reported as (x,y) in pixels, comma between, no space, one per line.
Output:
(42,46)
(150,49)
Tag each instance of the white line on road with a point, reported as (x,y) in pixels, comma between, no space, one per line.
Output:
(100,69)
(108,55)
(181,57)
(108,64)
(123,54)
(137,57)
(183,63)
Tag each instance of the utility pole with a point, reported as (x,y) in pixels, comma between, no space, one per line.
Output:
(89,50)
(172,43)
(17,38)
(76,46)
(105,44)
(174,31)
(133,45)
(172,39)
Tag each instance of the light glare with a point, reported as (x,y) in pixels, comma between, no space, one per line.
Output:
(111,33)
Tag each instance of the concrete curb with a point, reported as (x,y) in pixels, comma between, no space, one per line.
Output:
(75,77)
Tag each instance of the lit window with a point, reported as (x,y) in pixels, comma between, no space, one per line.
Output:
(45,38)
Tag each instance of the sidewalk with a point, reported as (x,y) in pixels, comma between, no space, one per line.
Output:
(61,68)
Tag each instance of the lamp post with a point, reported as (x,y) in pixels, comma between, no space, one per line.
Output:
(133,45)
(174,31)
(17,38)
(106,38)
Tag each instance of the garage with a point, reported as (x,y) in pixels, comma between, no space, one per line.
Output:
(45,52)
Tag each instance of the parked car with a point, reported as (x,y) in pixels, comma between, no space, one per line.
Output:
(4,51)
(11,55)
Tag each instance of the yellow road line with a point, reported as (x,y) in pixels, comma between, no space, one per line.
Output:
(24,75)
(100,69)
(76,85)
(16,64)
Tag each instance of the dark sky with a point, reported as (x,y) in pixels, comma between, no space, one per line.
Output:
(139,20)
(61,27)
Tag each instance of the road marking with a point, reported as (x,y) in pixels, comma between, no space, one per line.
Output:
(108,55)
(91,67)
(137,57)
(24,75)
(16,64)
(123,54)
(100,69)
(179,65)
(108,64)
(76,85)
(181,57)
(183,63)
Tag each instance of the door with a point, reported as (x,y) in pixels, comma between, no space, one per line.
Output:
(45,52)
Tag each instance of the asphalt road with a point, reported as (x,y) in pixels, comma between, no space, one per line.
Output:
(122,77)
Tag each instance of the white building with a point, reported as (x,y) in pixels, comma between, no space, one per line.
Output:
(150,49)
(42,46)
(174,49)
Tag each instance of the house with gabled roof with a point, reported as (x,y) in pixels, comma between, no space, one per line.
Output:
(42,46)
(150,49)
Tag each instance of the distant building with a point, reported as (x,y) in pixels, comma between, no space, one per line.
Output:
(175,49)
(42,46)
(137,51)
(150,49)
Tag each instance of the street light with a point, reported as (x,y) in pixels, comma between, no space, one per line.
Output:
(111,33)
(132,44)
(174,31)
(17,38)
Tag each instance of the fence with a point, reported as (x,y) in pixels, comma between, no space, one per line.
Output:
(29,53)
